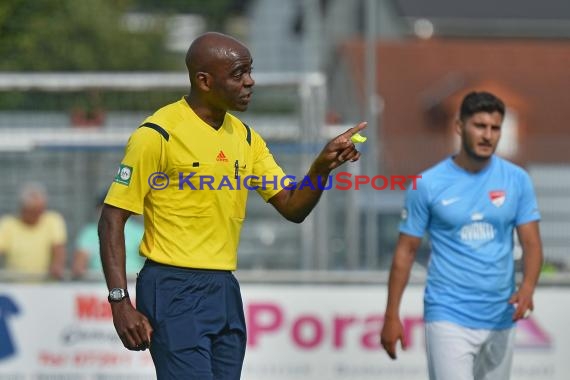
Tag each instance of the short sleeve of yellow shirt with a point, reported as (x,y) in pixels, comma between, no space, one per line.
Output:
(143,159)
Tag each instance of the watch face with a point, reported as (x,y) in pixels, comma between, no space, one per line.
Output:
(116,294)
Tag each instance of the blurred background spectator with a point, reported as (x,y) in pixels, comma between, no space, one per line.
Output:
(33,242)
(86,260)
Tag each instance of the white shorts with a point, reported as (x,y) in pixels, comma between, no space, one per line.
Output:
(459,353)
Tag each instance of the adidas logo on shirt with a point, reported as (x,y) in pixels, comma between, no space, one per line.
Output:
(221,157)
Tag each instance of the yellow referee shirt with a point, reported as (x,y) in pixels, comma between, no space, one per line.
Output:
(191,182)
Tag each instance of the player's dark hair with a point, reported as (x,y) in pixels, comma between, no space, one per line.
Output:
(480,102)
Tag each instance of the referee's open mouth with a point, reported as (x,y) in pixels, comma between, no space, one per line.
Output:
(247,97)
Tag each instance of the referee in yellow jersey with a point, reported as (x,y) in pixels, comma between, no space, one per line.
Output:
(188,169)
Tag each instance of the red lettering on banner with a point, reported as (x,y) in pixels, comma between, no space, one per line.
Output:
(371,338)
(91,307)
(261,318)
(340,325)
(51,359)
(96,359)
(309,331)
(314,327)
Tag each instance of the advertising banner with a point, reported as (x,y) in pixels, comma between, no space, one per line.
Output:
(309,332)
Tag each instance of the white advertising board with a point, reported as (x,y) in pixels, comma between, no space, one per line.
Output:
(319,332)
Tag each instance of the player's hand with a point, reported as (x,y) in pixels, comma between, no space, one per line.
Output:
(339,150)
(523,302)
(133,328)
(392,332)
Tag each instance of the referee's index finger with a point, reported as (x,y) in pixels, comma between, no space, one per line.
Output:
(354,130)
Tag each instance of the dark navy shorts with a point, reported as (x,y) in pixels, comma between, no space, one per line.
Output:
(198,321)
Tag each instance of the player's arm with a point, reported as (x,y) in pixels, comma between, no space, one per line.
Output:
(531,244)
(404,257)
(132,327)
(111,231)
(296,204)
(125,197)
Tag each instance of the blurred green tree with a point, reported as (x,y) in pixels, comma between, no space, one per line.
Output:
(216,12)
(72,35)
(94,35)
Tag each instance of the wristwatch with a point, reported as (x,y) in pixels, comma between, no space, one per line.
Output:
(117,294)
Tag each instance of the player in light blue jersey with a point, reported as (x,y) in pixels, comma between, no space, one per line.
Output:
(469,204)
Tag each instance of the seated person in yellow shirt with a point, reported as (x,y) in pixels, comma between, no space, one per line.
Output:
(86,257)
(33,242)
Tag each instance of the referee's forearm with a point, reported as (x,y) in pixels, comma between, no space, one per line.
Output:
(303,199)
(112,248)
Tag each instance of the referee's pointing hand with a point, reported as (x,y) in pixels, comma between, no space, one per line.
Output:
(339,150)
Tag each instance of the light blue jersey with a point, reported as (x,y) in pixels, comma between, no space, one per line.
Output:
(470,219)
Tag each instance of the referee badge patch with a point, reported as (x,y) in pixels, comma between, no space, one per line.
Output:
(124,175)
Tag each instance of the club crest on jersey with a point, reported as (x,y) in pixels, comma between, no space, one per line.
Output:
(497,197)
(221,157)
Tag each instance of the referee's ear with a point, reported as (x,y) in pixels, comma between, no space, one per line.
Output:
(203,81)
